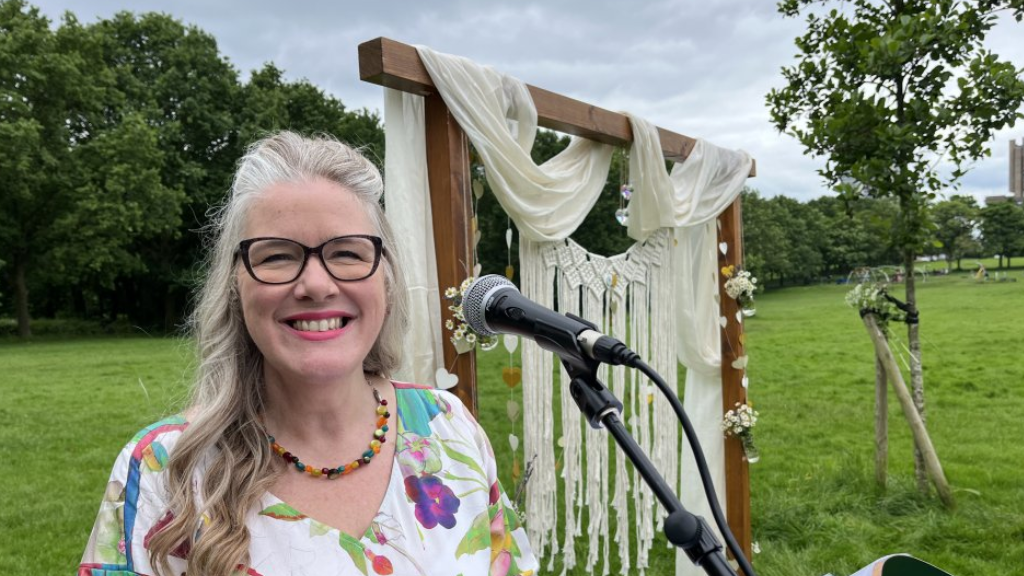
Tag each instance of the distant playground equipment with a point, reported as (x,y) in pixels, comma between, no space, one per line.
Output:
(881,274)
(982,275)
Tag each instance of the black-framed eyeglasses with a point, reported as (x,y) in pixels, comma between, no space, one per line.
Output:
(280,260)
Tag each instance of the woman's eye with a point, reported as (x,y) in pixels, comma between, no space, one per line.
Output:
(344,255)
(279,257)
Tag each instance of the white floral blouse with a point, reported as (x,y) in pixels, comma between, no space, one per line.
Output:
(444,512)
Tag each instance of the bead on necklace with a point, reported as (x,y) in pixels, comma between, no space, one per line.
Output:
(379,437)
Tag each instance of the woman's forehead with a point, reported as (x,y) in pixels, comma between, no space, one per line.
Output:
(314,210)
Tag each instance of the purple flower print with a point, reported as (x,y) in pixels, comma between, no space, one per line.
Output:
(435,502)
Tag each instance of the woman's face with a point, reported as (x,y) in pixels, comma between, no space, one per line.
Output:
(284,320)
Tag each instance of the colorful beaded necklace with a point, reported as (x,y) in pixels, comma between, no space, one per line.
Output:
(379,437)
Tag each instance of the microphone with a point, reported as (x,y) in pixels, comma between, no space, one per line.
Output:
(492,305)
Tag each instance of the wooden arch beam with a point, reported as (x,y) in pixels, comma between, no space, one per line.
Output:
(396,65)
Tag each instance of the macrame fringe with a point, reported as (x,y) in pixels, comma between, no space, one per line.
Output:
(629,296)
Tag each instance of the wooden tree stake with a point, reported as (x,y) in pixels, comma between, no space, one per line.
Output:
(881,424)
(921,439)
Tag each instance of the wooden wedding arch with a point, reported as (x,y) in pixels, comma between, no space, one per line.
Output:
(396,65)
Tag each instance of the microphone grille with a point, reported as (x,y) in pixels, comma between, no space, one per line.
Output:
(474,303)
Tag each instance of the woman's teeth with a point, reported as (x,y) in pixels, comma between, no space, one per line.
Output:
(319,325)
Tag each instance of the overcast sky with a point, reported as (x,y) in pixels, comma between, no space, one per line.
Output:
(699,67)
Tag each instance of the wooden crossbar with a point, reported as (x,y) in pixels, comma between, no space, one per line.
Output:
(396,65)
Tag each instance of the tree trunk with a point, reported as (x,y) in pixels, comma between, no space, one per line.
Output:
(958,265)
(881,424)
(21,296)
(916,375)
(1000,267)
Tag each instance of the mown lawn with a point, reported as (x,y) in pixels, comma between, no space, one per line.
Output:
(69,405)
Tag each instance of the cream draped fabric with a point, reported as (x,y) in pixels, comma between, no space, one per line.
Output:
(547,204)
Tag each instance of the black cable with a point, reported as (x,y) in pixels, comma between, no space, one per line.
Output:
(702,465)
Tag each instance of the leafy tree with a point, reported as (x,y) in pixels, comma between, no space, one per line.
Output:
(805,229)
(268,103)
(956,221)
(846,243)
(51,86)
(1002,230)
(173,77)
(884,88)
(766,245)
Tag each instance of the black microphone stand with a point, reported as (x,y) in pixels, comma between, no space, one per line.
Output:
(602,409)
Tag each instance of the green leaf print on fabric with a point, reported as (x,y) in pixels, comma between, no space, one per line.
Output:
(477,538)
(317,528)
(460,457)
(283,511)
(492,529)
(355,551)
(110,525)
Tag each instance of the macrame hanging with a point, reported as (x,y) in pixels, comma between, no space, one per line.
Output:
(629,296)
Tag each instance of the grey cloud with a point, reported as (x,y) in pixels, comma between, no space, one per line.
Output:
(699,68)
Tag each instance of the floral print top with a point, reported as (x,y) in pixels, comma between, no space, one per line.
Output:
(444,512)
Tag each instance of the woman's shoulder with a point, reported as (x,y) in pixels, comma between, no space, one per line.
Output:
(164,430)
(422,407)
(151,446)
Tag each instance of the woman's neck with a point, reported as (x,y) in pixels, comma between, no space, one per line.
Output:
(313,408)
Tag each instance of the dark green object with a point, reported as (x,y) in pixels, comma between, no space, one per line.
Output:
(905,566)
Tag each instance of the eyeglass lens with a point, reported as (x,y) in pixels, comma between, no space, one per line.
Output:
(276,260)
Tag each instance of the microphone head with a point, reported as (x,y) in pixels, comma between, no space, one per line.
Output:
(479,293)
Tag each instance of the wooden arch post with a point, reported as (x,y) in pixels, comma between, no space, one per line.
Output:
(396,65)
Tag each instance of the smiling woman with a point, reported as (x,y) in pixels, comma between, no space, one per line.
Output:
(298,325)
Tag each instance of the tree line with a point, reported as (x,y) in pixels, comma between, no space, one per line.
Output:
(117,137)
(789,242)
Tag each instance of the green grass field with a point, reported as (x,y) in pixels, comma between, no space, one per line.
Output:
(70,404)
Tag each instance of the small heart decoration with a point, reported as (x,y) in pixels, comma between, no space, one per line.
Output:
(512,376)
(512,409)
(743,339)
(476,238)
(513,441)
(561,442)
(740,363)
(461,346)
(739,316)
(723,321)
(723,247)
(476,271)
(445,380)
(511,342)
(508,237)
(509,271)
(478,189)
(745,381)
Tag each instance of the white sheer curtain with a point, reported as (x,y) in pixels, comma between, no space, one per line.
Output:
(547,203)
